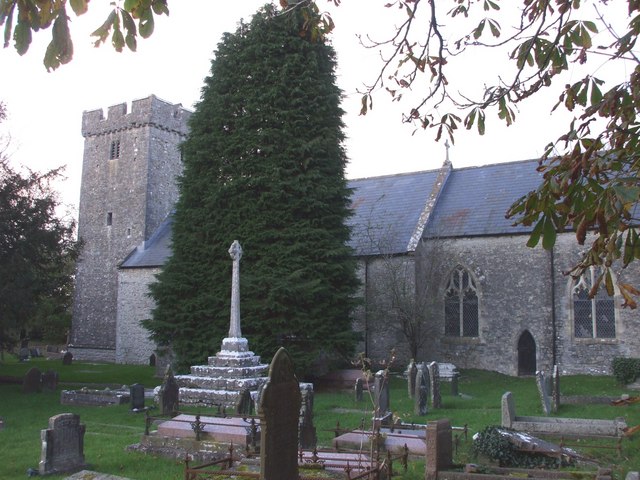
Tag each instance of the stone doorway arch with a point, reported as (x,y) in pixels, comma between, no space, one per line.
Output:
(526,354)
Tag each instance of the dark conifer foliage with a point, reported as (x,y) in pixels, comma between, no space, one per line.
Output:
(264,164)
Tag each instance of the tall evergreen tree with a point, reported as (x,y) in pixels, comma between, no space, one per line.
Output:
(264,164)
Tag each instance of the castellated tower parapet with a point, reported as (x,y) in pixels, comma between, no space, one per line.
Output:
(130,164)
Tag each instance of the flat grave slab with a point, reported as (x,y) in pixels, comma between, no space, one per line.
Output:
(415,440)
(218,429)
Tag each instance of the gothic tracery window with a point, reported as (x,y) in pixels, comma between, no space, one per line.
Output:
(592,317)
(461,305)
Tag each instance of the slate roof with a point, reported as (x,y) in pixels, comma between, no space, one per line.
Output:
(155,251)
(387,209)
(475,199)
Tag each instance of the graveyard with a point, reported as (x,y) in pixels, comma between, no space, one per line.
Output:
(110,430)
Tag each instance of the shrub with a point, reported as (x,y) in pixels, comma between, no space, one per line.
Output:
(626,370)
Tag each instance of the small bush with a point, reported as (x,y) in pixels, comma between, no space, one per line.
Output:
(626,370)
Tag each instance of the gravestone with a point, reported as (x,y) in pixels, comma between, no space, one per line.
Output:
(168,395)
(50,381)
(411,378)
(23,354)
(421,391)
(381,393)
(244,406)
(307,431)
(62,445)
(34,352)
(67,358)
(439,448)
(152,360)
(358,389)
(454,385)
(542,391)
(555,389)
(136,391)
(279,411)
(32,382)
(434,379)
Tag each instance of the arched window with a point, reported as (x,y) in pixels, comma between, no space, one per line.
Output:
(592,317)
(461,305)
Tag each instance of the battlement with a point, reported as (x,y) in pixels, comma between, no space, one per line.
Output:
(145,111)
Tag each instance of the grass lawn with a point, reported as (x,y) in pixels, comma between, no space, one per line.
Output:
(110,429)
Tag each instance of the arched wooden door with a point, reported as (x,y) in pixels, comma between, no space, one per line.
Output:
(526,354)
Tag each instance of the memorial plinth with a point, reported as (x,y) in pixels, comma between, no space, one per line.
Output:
(234,368)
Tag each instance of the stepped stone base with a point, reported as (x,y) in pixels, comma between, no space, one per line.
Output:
(226,375)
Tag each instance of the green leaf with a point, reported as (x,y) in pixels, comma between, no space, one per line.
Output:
(534,238)
(549,234)
(79,7)
(22,37)
(146,23)
(477,32)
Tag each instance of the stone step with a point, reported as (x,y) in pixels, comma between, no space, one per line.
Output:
(219,383)
(209,398)
(231,372)
(234,361)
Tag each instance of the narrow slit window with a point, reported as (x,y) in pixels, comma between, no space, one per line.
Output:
(115,150)
(109,219)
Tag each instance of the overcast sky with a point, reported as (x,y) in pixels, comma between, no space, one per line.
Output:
(45,109)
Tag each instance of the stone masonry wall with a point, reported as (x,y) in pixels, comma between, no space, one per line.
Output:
(122,201)
(133,345)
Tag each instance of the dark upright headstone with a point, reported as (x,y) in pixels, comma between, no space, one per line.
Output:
(152,360)
(23,354)
(381,388)
(454,384)
(244,405)
(279,410)
(421,392)
(542,391)
(62,445)
(137,397)
(434,378)
(307,431)
(169,394)
(32,382)
(67,358)
(50,381)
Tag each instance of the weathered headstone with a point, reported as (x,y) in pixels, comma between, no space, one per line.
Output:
(62,445)
(50,381)
(244,406)
(136,392)
(32,382)
(381,393)
(434,379)
(67,358)
(152,360)
(279,411)
(421,395)
(358,389)
(508,410)
(555,389)
(439,448)
(454,385)
(307,431)
(34,352)
(542,391)
(169,394)
(411,378)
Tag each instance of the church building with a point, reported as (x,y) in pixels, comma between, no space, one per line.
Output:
(445,276)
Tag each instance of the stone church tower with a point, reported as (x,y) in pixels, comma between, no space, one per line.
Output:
(130,164)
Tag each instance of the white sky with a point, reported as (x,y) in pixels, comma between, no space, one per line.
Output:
(45,109)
